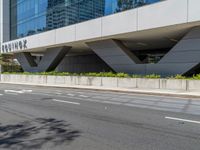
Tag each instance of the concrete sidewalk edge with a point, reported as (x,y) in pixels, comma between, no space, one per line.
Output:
(157,92)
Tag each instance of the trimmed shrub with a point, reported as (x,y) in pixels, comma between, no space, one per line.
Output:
(106,74)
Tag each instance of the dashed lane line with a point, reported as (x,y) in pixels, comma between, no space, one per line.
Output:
(18,91)
(184,120)
(83,96)
(62,101)
(13,91)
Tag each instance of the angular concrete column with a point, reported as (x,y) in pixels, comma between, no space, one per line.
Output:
(115,54)
(182,59)
(49,62)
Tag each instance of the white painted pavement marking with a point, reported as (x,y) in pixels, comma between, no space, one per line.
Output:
(13,91)
(184,120)
(73,96)
(27,91)
(69,102)
(88,99)
(83,96)
(1,94)
(40,94)
(70,94)
(19,91)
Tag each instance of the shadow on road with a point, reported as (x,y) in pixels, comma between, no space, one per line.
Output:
(34,134)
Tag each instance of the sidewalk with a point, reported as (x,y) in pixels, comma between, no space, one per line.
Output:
(173,93)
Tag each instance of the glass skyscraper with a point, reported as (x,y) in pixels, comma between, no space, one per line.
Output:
(29,17)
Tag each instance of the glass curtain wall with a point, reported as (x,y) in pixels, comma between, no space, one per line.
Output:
(29,17)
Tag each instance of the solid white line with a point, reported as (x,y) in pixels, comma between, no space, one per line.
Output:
(1,94)
(62,101)
(184,120)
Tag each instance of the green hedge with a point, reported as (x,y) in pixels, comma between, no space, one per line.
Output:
(107,74)
(91,74)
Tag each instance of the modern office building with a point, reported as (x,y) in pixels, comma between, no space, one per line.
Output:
(131,36)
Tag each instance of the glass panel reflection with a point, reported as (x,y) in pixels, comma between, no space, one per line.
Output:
(29,17)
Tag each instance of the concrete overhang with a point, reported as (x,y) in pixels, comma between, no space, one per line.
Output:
(158,25)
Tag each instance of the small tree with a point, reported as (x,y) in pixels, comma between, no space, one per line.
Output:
(8,63)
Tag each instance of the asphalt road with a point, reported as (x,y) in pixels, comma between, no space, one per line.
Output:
(34,118)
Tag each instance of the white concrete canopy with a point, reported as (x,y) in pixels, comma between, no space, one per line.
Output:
(136,23)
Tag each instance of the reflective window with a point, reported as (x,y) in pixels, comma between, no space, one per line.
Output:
(29,17)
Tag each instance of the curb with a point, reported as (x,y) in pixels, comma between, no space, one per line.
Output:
(153,93)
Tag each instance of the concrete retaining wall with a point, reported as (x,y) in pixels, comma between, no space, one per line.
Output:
(107,82)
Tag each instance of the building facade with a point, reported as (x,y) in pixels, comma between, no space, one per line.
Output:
(131,36)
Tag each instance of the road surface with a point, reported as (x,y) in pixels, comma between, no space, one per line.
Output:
(47,118)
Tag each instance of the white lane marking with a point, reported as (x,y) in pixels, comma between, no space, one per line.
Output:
(40,94)
(184,120)
(13,91)
(62,101)
(79,98)
(112,102)
(1,94)
(28,91)
(19,92)
(70,94)
(97,101)
(83,96)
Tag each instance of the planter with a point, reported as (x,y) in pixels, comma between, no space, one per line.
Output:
(107,82)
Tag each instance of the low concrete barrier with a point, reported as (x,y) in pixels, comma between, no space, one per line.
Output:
(107,82)
(193,85)
(28,79)
(127,83)
(148,83)
(173,84)
(94,81)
